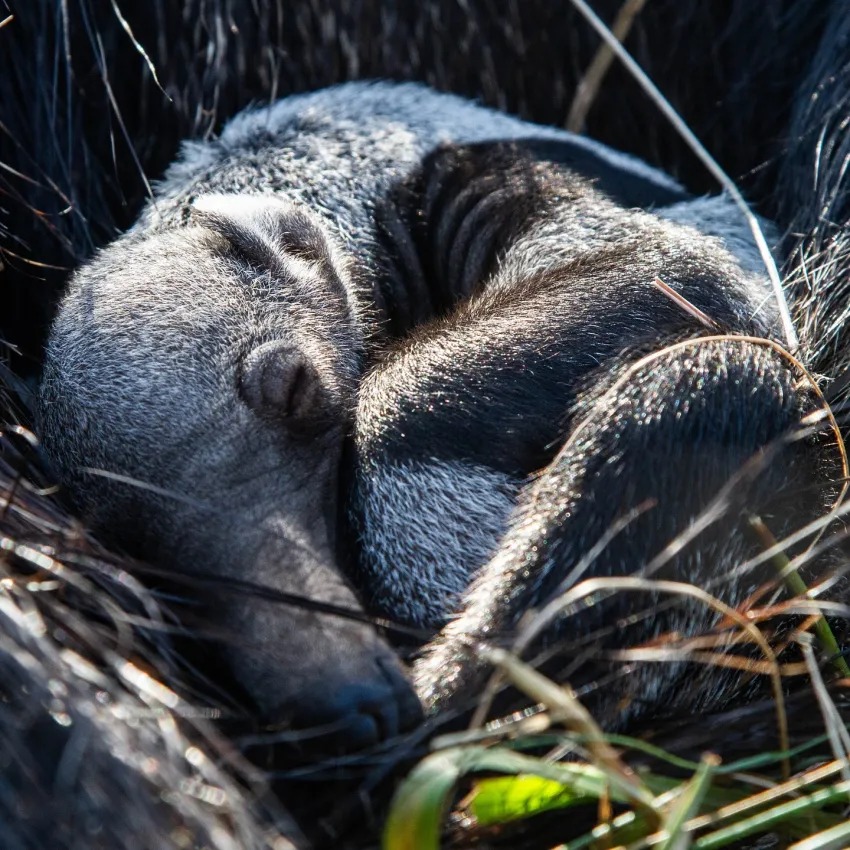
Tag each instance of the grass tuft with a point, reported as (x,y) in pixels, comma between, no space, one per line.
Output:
(470,793)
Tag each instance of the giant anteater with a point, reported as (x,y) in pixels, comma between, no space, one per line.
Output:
(811,211)
(213,356)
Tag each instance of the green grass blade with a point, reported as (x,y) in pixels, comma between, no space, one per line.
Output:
(506,798)
(686,805)
(421,803)
(799,588)
(423,798)
(765,820)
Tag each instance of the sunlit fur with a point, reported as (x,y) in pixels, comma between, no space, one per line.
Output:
(300,226)
(73,183)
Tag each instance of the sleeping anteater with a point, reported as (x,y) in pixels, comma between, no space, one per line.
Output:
(202,372)
(815,246)
(213,355)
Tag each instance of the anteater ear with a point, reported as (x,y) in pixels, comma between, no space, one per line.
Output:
(261,228)
(278,381)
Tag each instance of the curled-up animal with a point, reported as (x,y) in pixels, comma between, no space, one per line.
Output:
(87,761)
(202,372)
(468,293)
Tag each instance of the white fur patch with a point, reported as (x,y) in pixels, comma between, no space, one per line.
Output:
(720,216)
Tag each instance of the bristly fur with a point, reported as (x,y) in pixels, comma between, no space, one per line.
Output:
(216,349)
(738,95)
(559,290)
(813,202)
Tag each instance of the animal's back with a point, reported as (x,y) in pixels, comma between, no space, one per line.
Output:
(341,150)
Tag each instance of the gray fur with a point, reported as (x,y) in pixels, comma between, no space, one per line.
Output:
(337,152)
(601,260)
(719,216)
(427,526)
(143,379)
(266,240)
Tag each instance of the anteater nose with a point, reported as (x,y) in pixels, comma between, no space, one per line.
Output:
(360,713)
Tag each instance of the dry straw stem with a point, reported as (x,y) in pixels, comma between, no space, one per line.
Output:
(691,309)
(754,814)
(591,82)
(736,812)
(762,821)
(836,838)
(101,63)
(705,157)
(125,24)
(685,649)
(839,738)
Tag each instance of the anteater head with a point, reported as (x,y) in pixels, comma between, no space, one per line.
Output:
(197,388)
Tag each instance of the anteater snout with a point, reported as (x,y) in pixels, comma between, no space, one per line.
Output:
(327,683)
(354,710)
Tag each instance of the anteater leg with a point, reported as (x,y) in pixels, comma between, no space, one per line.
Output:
(667,461)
